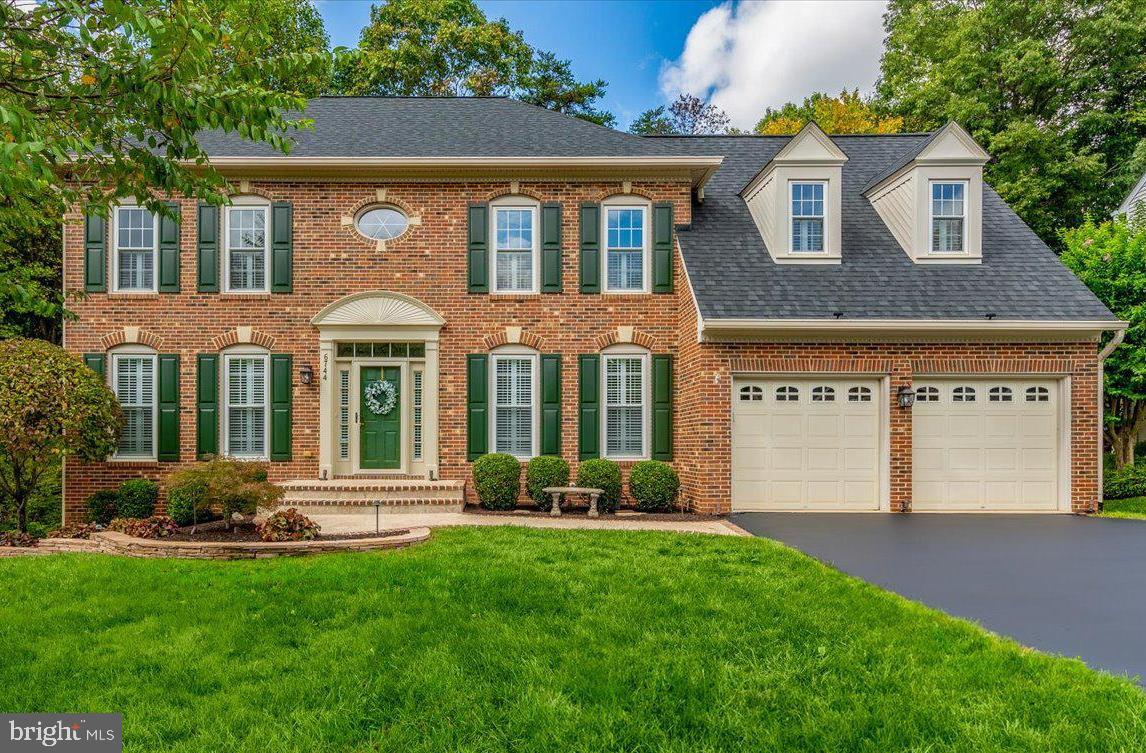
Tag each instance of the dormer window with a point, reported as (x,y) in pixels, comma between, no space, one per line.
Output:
(948,216)
(808,216)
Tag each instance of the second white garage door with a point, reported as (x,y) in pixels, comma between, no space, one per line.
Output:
(986,444)
(806,444)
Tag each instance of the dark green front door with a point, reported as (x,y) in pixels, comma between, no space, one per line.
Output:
(381,445)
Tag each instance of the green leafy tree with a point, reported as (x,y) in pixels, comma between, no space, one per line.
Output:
(688,115)
(1055,90)
(1111,259)
(51,406)
(551,84)
(847,113)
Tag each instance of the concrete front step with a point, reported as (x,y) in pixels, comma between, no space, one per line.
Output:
(392,495)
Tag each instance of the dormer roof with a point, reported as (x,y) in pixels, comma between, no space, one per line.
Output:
(809,147)
(949,145)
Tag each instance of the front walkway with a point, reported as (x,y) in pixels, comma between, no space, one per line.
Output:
(359,522)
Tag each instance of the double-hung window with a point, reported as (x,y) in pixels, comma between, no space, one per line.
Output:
(807,216)
(515,252)
(948,217)
(626,405)
(134,380)
(246,412)
(515,413)
(135,250)
(626,256)
(247,255)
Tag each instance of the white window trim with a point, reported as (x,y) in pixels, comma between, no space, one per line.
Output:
(518,203)
(627,351)
(136,351)
(514,353)
(247,202)
(792,182)
(627,202)
(931,215)
(225,413)
(115,288)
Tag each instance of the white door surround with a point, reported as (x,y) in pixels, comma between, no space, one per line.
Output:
(374,316)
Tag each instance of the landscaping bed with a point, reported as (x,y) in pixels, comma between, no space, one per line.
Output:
(247,531)
(583,512)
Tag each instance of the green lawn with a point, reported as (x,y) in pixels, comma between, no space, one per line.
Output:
(1134,507)
(492,639)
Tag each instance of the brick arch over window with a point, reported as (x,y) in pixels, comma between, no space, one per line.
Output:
(131,335)
(520,337)
(381,197)
(373,199)
(626,336)
(620,192)
(237,192)
(505,191)
(242,336)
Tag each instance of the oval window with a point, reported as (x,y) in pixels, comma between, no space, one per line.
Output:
(382,223)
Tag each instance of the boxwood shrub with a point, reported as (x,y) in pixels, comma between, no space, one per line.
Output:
(497,478)
(654,485)
(601,473)
(102,506)
(137,498)
(543,471)
(186,503)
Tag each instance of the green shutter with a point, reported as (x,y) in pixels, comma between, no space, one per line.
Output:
(207,406)
(208,249)
(281,384)
(95,362)
(477,405)
(662,407)
(168,408)
(95,254)
(590,248)
(662,248)
(551,248)
(589,407)
(551,405)
(169,250)
(282,248)
(477,256)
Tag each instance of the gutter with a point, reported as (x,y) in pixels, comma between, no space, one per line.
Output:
(887,326)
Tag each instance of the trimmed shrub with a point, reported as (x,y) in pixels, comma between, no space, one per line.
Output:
(155,527)
(497,478)
(1126,482)
(602,473)
(543,471)
(137,498)
(186,504)
(75,531)
(102,506)
(288,525)
(654,485)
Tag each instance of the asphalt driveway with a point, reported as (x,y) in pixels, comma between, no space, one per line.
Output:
(1059,583)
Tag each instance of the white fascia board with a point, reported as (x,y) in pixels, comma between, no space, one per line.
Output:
(983,327)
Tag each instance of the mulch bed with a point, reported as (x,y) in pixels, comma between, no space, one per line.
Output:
(583,512)
(241,532)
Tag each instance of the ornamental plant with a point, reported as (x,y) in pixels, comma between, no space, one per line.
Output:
(137,498)
(17,538)
(229,486)
(497,478)
(155,527)
(543,471)
(52,406)
(186,504)
(654,485)
(75,531)
(602,473)
(288,525)
(102,506)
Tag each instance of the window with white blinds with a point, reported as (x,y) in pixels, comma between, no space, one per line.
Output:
(134,381)
(625,406)
(245,409)
(247,249)
(417,453)
(135,246)
(514,249)
(513,414)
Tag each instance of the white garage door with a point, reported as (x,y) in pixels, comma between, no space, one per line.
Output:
(805,444)
(983,444)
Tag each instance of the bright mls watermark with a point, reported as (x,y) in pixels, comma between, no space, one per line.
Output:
(82,733)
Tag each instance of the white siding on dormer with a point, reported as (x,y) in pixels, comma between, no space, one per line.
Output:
(896,207)
(761,205)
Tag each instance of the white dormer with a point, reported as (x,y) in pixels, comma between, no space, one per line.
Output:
(933,202)
(795,200)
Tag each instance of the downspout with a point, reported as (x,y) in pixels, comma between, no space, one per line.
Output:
(1119,336)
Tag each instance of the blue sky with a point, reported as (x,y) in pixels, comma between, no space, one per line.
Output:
(737,53)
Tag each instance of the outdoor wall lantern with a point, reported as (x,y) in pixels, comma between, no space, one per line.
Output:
(306,374)
(905,396)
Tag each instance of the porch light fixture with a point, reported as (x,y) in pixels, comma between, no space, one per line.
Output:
(305,374)
(905,396)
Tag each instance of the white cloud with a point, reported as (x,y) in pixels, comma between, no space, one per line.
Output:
(751,55)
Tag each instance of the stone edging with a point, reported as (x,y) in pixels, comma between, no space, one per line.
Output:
(112,542)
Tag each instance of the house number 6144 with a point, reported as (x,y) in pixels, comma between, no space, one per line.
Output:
(325,366)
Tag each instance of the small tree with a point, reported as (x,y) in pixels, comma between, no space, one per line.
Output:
(229,485)
(52,406)
(1111,259)
(688,114)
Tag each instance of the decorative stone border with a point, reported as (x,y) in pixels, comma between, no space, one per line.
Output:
(112,542)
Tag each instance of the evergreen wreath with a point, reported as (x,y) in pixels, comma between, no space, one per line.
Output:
(381,397)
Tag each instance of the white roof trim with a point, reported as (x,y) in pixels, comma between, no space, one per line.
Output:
(733,330)
(1125,206)
(916,324)
(953,132)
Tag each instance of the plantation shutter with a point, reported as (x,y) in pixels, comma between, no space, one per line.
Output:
(95,362)
(662,248)
(208,254)
(662,408)
(624,406)
(551,248)
(589,407)
(282,247)
(169,250)
(550,405)
(477,255)
(168,408)
(134,387)
(477,405)
(590,248)
(513,405)
(95,254)
(281,383)
(207,405)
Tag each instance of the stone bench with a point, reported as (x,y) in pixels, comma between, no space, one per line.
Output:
(557,491)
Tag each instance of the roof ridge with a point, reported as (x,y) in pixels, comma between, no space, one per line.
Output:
(773,135)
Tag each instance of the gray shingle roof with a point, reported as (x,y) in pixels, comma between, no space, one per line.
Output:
(734,277)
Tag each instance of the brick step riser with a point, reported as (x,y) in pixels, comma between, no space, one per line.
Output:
(335,507)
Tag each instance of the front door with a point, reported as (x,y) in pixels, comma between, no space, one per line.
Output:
(380,404)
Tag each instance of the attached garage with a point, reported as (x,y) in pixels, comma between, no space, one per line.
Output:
(806,444)
(988,444)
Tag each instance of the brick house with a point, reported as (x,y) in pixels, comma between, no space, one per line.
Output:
(807,322)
